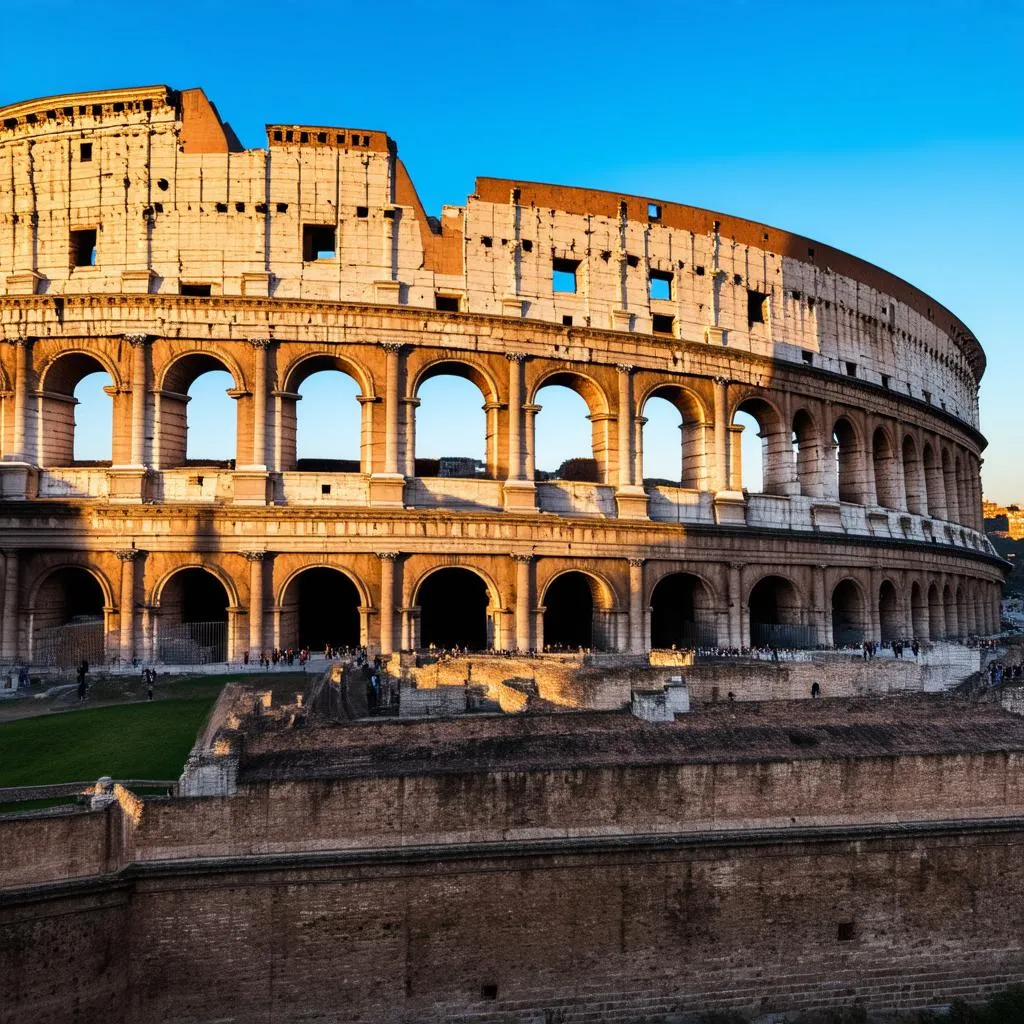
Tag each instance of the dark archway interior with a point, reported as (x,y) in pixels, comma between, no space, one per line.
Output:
(569,612)
(71,595)
(674,612)
(888,613)
(193,618)
(328,609)
(775,615)
(68,620)
(453,610)
(202,596)
(847,614)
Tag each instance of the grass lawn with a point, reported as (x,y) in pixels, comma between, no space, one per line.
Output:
(146,740)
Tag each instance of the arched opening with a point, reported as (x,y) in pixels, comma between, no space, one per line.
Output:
(673,439)
(848,620)
(569,612)
(950,611)
(67,619)
(760,450)
(681,613)
(806,453)
(914,478)
(571,432)
(936,615)
(453,607)
(197,418)
(849,462)
(883,456)
(775,615)
(77,412)
(889,613)
(456,425)
(949,487)
(322,428)
(918,613)
(935,492)
(193,619)
(319,609)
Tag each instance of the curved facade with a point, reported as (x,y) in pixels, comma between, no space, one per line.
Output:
(139,239)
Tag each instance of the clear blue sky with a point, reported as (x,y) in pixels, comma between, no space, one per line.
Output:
(894,130)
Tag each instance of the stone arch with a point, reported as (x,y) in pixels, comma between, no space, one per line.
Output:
(579,610)
(914,477)
(885,467)
(775,609)
(682,608)
(890,622)
(194,603)
(850,459)
(849,612)
(173,383)
(693,430)
(68,603)
(806,441)
(316,610)
(598,412)
(453,611)
(294,375)
(225,578)
(777,470)
(58,380)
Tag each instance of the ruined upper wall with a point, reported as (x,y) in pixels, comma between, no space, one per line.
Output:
(148,190)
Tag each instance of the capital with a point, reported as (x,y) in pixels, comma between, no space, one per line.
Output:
(388,556)
(521,559)
(722,381)
(20,342)
(254,556)
(636,563)
(516,357)
(391,347)
(138,339)
(737,565)
(261,342)
(626,368)
(128,555)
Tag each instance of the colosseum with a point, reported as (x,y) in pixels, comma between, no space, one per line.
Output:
(140,239)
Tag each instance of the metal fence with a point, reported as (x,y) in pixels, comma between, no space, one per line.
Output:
(192,643)
(70,645)
(766,634)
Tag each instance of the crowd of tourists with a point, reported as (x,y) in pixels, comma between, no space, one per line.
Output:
(279,656)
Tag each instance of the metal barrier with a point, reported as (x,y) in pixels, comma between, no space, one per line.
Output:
(70,645)
(767,634)
(192,643)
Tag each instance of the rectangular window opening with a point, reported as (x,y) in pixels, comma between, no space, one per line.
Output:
(446,303)
(844,933)
(362,211)
(489,991)
(282,207)
(85,152)
(567,321)
(653,211)
(527,245)
(851,369)
(699,271)
(757,307)
(885,380)
(83,248)
(807,357)
(632,261)
(563,275)
(486,241)
(325,488)
(661,284)
(201,291)
(318,242)
(661,324)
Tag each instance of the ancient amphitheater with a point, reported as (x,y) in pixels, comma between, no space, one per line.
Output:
(139,238)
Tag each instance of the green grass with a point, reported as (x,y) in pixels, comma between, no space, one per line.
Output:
(148,740)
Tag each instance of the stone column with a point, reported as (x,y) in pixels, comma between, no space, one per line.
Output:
(822,612)
(255,560)
(139,345)
(531,440)
(523,602)
(391,383)
(637,640)
(735,605)
(127,601)
(259,402)
(625,425)
(387,601)
(720,476)
(515,414)
(149,617)
(734,433)
(22,353)
(874,616)
(9,632)
(387,487)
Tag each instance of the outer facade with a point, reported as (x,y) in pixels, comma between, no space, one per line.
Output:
(137,237)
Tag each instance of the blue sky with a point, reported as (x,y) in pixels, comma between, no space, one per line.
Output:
(892,130)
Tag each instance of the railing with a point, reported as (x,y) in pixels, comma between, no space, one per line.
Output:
(192,643)
(70,645)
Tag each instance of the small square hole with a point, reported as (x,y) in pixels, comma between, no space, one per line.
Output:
(699,271)
(200,290)
(661,284)
(632,261)
(489,991)
(325,488)
(527,245)
(240,207)
(85,152)
(807,357)
(757,307)
(487,241)
(851,369)
(282,207)
(563,275)
(844,932)
(446,303)
(661,324)
(567,321)
(83,248)
(318,242)
(362,211)
(222,207)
